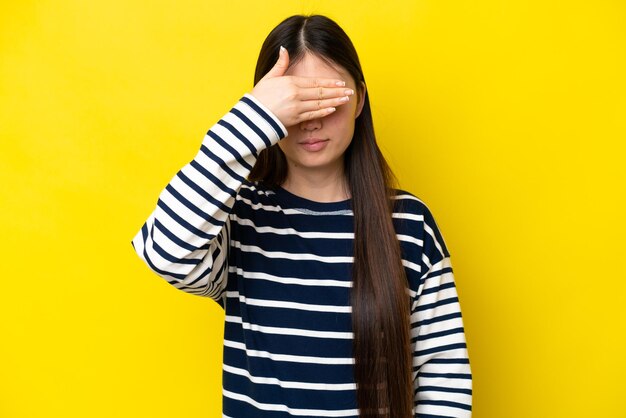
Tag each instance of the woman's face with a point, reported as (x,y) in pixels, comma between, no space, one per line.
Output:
(319,144)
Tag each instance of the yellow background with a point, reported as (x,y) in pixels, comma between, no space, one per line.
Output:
(507,117)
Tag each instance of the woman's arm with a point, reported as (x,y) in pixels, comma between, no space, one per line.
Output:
(443,379)
(185,238)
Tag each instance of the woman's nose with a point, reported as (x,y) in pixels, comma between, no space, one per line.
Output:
(312,124)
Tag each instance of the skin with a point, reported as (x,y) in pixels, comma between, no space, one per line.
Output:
(292,94)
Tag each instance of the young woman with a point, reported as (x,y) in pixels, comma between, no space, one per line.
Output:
(337,287)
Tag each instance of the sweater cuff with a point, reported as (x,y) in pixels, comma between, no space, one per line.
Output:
(275,128)
(247,129)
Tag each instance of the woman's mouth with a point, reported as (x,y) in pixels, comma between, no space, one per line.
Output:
(313,144)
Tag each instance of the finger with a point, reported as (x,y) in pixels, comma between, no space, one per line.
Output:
(321,93)
(320,105)
(314,114)
(313,82)
(281,66)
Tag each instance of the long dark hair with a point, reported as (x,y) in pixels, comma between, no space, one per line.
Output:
(380,303)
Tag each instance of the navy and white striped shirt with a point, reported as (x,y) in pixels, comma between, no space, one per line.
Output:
(280,265)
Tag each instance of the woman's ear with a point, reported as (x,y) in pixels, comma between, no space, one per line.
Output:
(361,93)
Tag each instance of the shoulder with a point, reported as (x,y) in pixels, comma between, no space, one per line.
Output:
(413,217)
(410,204)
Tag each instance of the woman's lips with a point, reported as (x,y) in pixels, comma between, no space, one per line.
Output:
(313,144)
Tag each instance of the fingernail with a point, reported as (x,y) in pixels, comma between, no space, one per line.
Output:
(348,92)
(282,49)
(340,83)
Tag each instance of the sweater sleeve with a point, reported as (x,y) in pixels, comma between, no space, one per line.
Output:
(185,239)
(443,379)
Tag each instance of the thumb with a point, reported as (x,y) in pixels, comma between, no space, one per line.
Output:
(281,65)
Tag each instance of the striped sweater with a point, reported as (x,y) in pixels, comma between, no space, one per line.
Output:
(280,266)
